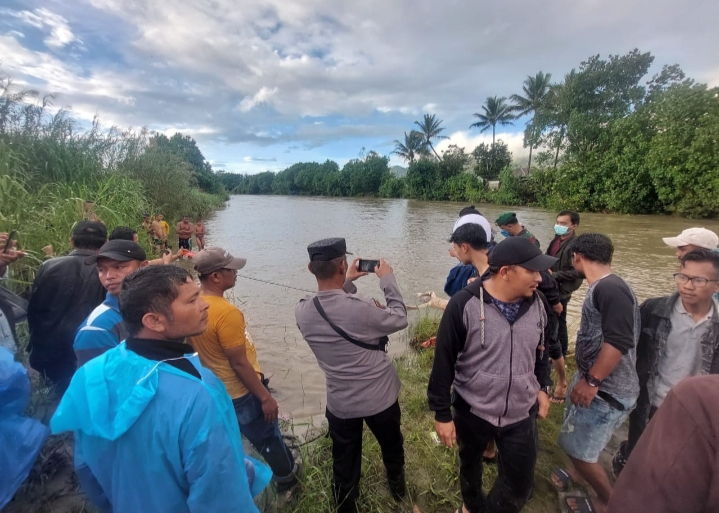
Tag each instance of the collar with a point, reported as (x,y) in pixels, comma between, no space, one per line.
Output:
(332,292)
(112,302)
(158,349)
(82,252)
(679,308)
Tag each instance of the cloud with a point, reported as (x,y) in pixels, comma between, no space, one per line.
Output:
(60,34)
(258,159)
(262,96)
(469,141)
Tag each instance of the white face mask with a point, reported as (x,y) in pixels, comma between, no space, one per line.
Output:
(561,230)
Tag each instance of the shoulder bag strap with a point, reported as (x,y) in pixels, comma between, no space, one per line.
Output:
(382,342)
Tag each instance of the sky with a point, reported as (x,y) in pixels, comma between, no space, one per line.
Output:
(264,84)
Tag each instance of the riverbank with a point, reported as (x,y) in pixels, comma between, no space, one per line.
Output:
(431,468)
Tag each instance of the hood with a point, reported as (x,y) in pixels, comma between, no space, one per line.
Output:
(107,395)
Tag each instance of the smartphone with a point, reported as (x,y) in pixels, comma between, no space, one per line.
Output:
(10,238)
(367,266)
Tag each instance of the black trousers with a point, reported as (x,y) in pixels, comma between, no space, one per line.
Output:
(563,332)
(517,446)
(346,435)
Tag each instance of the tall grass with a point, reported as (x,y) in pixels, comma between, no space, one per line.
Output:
(50,166)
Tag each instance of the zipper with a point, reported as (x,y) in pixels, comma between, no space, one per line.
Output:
(509,387)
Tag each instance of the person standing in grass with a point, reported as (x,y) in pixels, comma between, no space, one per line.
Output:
(490,376)
(348,335)
(185,231)
(64,293)
(155,431)
(103,329)
(200,232)
(605,388)
(227,350)
(158,233)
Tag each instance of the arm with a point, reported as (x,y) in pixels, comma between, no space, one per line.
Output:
(91,341)
(231,334)
(549,288)
(568,275)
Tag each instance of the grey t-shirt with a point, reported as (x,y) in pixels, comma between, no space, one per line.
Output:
(682,357)
(611,314)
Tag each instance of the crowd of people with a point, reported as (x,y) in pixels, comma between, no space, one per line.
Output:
(158,377)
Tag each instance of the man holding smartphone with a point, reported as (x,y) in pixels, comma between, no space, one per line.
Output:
(348,335)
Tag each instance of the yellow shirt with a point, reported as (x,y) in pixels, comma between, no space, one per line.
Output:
(225,330)
(166,228)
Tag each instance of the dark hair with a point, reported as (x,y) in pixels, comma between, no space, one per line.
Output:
(469,210)
(573,216)
(93,241)
(151,289)
(703,255)
(494,269)
(594,247)
(326,269)
(123,233)
(472,234)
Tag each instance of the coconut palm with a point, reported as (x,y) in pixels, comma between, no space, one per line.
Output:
(412,147)
(429,128)
(496,110)
(536,92)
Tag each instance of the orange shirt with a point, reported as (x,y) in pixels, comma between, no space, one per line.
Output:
(225,330)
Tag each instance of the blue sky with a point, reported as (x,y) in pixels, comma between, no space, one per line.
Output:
(264,84)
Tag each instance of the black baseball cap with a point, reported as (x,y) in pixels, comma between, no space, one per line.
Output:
(92,228)
(119,250)
(328,249)
(522,252)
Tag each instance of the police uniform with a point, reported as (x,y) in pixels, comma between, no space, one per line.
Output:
(362,383)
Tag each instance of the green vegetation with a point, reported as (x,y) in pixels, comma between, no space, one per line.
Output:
(432,469)
(606,139)
(50,168)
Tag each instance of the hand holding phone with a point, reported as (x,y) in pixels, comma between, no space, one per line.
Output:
(367,266)
(9,241)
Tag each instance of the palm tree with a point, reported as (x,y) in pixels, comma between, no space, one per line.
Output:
(496,110)
(536,92)
(429,129)
(413,146)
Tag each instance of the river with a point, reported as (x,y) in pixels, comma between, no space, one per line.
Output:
(273,232)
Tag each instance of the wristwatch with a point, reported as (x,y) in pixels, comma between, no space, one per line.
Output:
(547,390)
(592,381)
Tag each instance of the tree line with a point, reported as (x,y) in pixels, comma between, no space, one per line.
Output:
(602,139)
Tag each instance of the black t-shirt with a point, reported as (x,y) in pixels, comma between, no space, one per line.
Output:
(615,302)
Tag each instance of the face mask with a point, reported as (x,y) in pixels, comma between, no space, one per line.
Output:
(560,230)
(504,233)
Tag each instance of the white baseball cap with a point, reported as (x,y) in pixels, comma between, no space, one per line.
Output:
(700,237)
(474,219)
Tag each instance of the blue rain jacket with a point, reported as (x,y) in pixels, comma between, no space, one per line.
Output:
(20,437)
(150,438)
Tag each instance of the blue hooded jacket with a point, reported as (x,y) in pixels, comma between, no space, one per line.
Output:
(150,438)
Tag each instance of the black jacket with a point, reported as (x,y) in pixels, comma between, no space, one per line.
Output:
(563,271)
(64,293)
(656,326)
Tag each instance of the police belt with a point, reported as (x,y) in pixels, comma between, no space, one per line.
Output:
(382,346)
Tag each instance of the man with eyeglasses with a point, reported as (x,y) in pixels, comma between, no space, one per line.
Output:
(679,339)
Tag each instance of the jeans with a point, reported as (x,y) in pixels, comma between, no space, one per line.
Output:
(517,446)
(346,435)
(563,333)
(266,438)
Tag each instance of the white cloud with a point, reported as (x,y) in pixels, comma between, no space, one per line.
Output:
(262,96)
(60,33)
(469,141)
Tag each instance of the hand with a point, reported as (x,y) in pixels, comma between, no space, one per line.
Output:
(471,280)
(558,309)
(543,400)
(446,432)
(167,257)
(383,269)
(49,251)
(427,297)
(583,394)
(270,409)
(352,272)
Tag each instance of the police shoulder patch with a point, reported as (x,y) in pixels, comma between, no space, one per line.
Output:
(378,304)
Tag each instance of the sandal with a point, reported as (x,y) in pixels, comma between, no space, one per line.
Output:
(576,502)
(561,479)
(557,399)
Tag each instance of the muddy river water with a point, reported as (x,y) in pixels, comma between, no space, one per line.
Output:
(272,232)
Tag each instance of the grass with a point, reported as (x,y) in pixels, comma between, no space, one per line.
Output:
(432,469)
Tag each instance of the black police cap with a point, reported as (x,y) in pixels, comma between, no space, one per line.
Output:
(328,249)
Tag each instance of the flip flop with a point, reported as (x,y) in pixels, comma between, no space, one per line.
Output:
(561,479)
(557,399)
(576,502)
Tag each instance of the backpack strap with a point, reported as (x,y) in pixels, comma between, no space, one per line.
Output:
(382,346)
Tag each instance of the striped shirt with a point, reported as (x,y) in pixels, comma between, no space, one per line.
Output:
(102,330)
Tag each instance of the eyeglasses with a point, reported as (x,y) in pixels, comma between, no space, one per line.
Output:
(698,281)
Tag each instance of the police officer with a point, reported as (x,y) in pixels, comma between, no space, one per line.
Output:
(348,335)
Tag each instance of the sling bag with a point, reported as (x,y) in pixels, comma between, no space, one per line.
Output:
(382,346)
